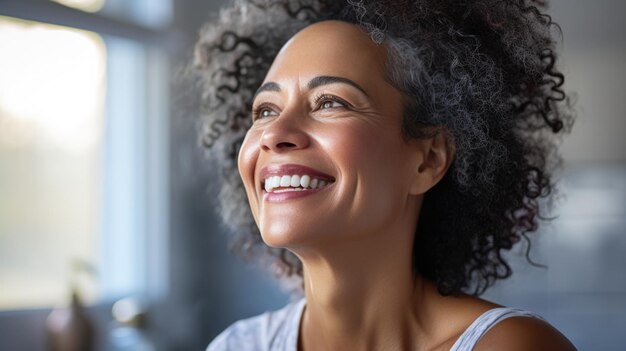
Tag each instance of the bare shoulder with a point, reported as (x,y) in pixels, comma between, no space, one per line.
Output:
(524,334)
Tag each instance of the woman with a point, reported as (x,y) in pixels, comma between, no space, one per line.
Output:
(389,152)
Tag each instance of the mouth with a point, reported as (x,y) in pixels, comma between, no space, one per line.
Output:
(293,178)
(296,182)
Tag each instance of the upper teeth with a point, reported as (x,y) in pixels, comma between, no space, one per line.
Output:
(292,183)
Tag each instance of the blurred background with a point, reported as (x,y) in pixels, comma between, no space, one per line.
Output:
(104,191)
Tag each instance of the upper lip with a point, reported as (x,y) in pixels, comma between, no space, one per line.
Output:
(293,169)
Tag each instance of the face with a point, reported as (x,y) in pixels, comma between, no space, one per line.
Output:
(325,159)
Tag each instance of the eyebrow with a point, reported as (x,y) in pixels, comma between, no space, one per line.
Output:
(312,84)
(269,86)
(325,80)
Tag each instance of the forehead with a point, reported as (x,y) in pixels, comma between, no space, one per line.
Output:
(330,48)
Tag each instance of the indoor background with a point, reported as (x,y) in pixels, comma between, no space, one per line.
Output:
(103,186)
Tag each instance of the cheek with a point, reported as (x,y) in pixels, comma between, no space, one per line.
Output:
(247,153)
(246,163)
(371,161)
(371,152)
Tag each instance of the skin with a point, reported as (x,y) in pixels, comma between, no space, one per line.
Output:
(355,236)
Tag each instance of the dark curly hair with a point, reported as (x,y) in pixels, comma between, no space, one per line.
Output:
(483,69)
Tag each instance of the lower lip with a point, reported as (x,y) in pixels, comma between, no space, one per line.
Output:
(289,195)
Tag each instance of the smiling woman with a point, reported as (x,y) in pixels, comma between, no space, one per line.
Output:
(319,120)
(384,151)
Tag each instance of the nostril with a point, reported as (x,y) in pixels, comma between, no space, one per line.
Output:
(285,145)
(278,138)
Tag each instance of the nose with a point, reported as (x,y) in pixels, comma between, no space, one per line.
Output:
(285,133)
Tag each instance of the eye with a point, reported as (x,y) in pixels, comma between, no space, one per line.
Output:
(331,104)
(263,111)
(329,101)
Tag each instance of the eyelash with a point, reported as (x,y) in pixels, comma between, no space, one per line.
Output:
(319,100)
(323,98)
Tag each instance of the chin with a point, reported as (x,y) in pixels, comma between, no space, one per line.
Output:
(282,234)
(275,233)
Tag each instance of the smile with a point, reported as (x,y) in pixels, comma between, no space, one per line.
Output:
(282,182)
(277,184)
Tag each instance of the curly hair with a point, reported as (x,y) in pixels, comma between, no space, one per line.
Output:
(483,69)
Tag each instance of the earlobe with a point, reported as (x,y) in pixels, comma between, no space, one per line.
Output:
(437,153)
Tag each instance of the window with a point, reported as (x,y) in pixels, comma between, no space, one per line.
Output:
(83,153)
(51,112)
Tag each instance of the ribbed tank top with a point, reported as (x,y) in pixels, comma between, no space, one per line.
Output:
(278,330)
(483,323)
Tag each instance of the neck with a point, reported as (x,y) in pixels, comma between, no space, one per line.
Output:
(362,294)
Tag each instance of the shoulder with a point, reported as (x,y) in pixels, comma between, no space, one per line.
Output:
(257,333)
(486,326)
(523,333)
(245,334)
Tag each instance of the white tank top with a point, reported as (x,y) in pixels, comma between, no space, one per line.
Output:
(278,330)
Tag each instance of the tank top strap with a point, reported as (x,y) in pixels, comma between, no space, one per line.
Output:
(484,322)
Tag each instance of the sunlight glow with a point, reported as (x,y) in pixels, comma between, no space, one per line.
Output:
(52,92)
(52,85)
(85,5)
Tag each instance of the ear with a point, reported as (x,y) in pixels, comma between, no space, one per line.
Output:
(435,155)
